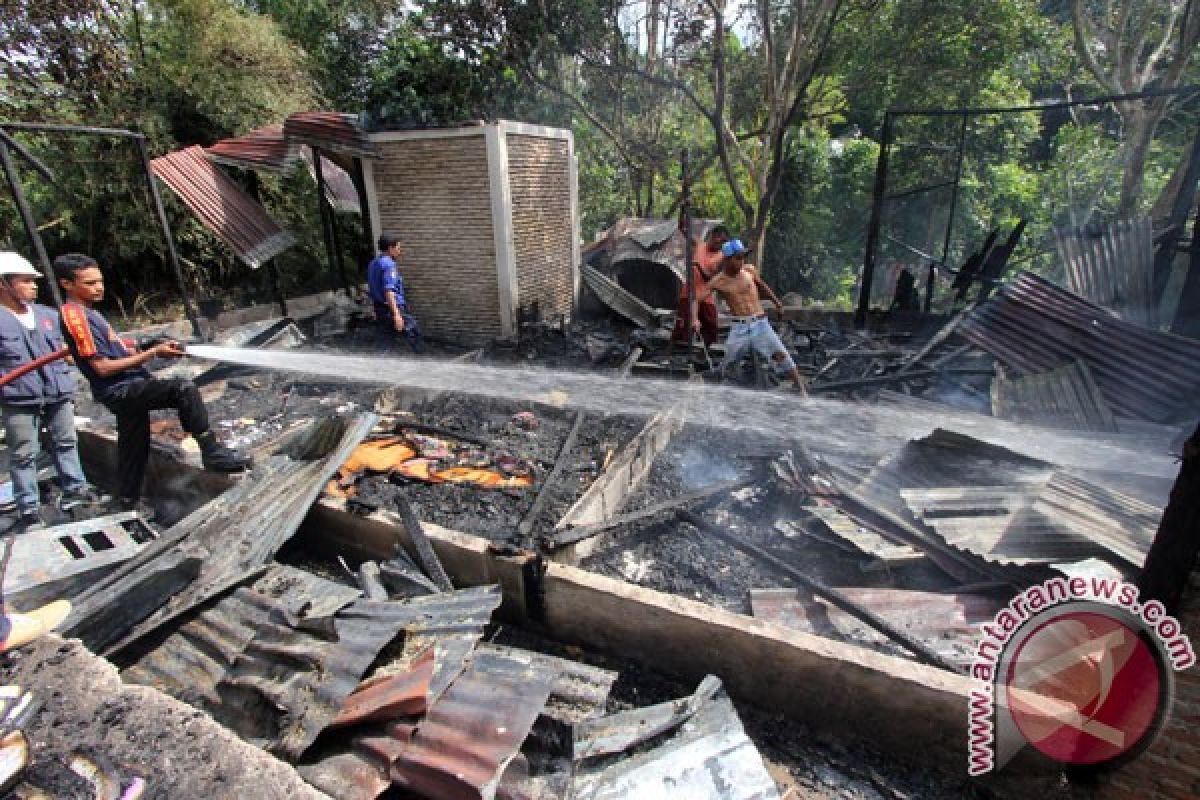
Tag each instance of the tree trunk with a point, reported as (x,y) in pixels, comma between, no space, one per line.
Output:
(1141,124)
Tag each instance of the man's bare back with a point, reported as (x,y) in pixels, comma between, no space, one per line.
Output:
(740,291)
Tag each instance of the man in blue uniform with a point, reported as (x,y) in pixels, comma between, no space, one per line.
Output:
(120,380)
(386,288)
(29,331)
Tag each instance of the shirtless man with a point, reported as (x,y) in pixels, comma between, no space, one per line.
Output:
(738,284)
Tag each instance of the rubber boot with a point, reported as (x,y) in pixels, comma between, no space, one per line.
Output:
(216,457)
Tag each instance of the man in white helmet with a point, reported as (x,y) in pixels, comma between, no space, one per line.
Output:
(43,396)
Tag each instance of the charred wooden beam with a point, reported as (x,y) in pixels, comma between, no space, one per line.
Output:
(636,520)
(919,649)
(425,554)
(539,502)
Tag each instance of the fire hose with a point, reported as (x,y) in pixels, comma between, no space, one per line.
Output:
(37,363)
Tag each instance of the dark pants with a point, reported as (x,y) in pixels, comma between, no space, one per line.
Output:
(386,333)
(132,404)
(708,322)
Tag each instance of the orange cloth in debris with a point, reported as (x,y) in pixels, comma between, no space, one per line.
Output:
(394,454)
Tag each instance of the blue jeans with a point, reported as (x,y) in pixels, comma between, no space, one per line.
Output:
(21,428)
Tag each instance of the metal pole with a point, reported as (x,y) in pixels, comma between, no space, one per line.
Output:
(172,256)
(868,272)
(35,238)
(326,222)
(962,149)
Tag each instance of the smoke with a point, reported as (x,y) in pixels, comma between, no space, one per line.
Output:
(830,426)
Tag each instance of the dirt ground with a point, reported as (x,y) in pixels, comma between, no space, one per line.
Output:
(135,731)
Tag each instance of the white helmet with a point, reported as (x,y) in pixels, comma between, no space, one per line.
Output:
(16,264)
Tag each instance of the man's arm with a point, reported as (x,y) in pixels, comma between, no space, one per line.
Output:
(393,290)
(107,367)
(761,284)
(700,298)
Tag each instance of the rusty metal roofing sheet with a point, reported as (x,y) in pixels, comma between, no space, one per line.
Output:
(707,756)
(232,215)
(330,130)
(263,148)
(339,186)
(474,730)
(1066,397)
(1113,266)
(1034,326)
(237,533)
(947,623)
(190,662)
(363,770)
(294,676)
(397,695)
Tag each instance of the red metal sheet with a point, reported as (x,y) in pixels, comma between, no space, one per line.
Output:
(393,696)
(1034,326)
(472,732)
(330,130)
(262,148)
(236,218)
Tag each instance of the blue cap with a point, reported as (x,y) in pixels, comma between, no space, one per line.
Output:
(734,247)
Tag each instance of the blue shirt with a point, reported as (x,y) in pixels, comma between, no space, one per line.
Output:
(383,277)
(89,335)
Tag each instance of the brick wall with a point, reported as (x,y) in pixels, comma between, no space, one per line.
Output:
(539,175)
(434,194)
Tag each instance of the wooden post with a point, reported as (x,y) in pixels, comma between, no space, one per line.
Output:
(172,256)
(687,254)
(326,223)
(868,272)
(35,238)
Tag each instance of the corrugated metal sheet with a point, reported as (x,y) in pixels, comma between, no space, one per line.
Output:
(1113,266)
(339,186)
(708,757)
(190,662)
(398,695)
(1034,326)
(471,733)
(1066,397)
(1066,519)
(942,459)
(294,676)
(619,300)
(1072,509)
(974,518)
(863,539)
(330,130)
(363,770)
(232,215)
(577,692)
(947,623)
(237,533)
(263,148)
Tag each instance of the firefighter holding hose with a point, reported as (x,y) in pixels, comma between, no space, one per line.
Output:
(36,388)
